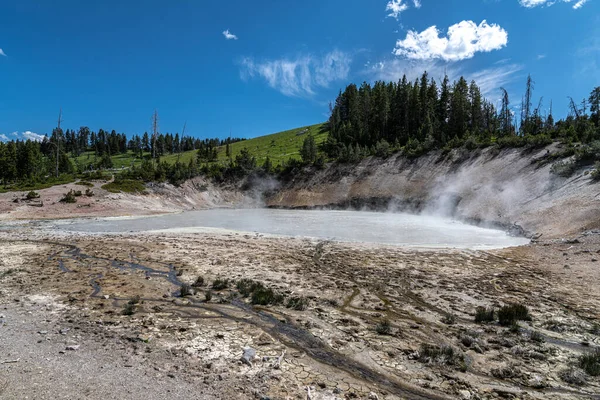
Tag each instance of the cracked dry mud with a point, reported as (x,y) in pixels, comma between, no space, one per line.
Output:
(58,291)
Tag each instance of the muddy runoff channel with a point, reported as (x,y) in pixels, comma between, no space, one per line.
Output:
(283,330)
(349,226)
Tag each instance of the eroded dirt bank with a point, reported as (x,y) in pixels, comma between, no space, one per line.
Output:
(64,300)
(510,186)
(194,194)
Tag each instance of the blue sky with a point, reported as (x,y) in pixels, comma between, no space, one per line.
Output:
(256,67)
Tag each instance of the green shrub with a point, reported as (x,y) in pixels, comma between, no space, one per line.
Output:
(89,193)
(483,314)
(208,296)
(247,286)
(69,197)
(510,141)
(134,300)
(564,168)
(77,193)
(590,363)
(220,284)
(384,327)
(510,314)
(32,195)
(266,296)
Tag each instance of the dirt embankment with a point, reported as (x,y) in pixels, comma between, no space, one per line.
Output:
(511,186)
(162,198)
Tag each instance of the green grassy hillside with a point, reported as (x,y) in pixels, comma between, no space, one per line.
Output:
(279,147)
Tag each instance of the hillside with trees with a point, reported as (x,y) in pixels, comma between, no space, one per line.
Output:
(420,116)
(371,120)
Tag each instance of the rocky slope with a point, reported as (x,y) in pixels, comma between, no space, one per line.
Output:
(510,186)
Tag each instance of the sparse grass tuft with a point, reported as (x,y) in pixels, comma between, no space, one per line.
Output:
(128,309)
(535,336)
(8,272)
(573,376)
(199,282)
(297,303)
(444,355)
(590,363)
(384,327)
(512,313)
(125,186)
(483,314)
(220,284)
(85,183)
(186,290)
(449,319)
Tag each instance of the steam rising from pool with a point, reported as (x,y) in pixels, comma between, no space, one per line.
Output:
(347,226)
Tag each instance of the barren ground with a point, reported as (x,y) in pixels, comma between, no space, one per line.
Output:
(61,292)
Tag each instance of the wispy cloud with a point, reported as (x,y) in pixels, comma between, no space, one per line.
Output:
(229,36)
(396,7)
(462,41)
(2,53)
(489,79)
(3,138)
(300,76)
(546,3)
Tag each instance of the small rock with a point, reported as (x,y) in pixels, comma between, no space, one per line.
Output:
(465,394)
(373,396)
(72,347)
(106,297)
(43,332)
(537,382)
(248,356)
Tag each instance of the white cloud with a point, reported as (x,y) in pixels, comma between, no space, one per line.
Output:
(27,135)
(489,79)
(229,36)
(464,40)
(301,76)
(541,56)
(3,137)
(2,53)
(417,3)
(536,3)
(396,7)
(579,4)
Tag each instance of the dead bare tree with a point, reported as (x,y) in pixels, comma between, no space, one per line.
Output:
(154,133)
(573,107)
